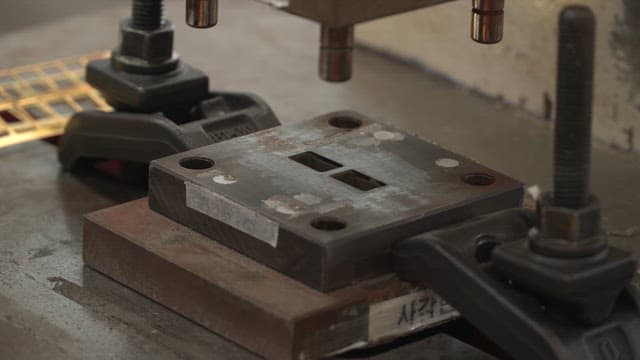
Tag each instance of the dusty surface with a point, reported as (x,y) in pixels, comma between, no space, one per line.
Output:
(50,307)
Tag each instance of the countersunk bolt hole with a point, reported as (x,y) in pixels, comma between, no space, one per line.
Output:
(345,122)
(484,248)
(197,163)
(479,179)
(328,224)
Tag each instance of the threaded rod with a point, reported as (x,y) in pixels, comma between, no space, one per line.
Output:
(573,115)
(146,14)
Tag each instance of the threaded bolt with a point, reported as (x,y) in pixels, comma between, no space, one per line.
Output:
(573,115)
(146,14)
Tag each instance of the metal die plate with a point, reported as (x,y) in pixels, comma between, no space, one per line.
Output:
(324,200)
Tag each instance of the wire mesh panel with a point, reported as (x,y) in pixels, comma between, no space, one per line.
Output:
(36,101)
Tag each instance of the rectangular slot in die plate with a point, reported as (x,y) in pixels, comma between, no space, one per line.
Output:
(315,161)
(358,180)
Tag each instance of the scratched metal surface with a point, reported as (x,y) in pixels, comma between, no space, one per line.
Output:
(80,315)
(256,194)
(256,172)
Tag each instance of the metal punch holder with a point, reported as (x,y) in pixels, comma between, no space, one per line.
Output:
(338,18)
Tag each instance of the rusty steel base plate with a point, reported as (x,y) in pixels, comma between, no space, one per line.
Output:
(244,301)
(324,200)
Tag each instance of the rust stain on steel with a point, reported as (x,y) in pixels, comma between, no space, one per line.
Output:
(195,252)
(226,292)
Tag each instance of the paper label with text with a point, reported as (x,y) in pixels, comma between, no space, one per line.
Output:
(408,313)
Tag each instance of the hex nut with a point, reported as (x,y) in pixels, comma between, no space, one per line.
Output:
(568,224)
(145,51)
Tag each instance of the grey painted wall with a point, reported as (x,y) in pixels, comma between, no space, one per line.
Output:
(521,69)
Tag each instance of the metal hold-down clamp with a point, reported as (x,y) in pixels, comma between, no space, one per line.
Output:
(162,105)
(545,285)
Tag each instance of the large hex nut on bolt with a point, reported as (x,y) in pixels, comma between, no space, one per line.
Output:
(145,51)
(570,224)
(566,232)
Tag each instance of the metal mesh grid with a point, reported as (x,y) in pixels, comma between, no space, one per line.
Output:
(36,101)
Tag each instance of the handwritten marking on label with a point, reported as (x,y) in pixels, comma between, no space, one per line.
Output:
(408,313)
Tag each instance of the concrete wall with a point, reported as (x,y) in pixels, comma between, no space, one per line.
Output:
(521,69)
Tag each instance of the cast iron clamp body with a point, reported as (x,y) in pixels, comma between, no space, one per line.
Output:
(543,286)
(456,263)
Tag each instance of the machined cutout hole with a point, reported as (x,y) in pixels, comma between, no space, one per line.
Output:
(28,75)
(479,179)
(50,70)
(74,66)
(61,107)
(197,163)
(36,112)
(9,117)
(358,180)
(40,87)
(64,83)
(328,224)
(315,161)
(345,122)
(13,92)
(86,103)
